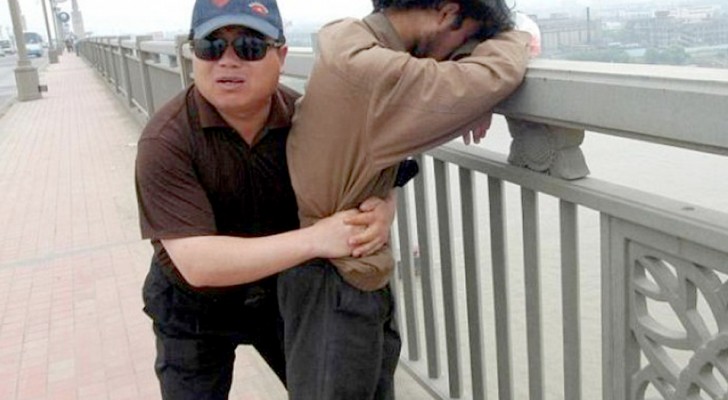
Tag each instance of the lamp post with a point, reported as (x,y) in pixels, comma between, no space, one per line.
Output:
(26,75)
(59,38)
(52,53)
(77,19)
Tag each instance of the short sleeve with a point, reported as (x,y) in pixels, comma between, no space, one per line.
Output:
(172,202)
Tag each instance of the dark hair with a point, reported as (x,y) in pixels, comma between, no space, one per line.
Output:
(494,14)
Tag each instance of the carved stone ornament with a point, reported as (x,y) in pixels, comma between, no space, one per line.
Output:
(549,149)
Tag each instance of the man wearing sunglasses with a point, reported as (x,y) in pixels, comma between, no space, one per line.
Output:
(215,199)
(381,89)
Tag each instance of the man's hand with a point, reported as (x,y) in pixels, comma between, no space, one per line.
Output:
(375,219)
(479,130)
(332,235)
(526,24)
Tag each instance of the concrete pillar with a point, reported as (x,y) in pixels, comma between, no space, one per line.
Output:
(185,66)
(144,70)
(124,54)
(26,75)
(104,45)
(112,43)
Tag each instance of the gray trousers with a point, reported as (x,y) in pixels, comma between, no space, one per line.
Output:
(341,343)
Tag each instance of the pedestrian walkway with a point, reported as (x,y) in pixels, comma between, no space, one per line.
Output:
(71,259)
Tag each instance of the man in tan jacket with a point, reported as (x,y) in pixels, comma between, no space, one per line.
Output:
(380,91)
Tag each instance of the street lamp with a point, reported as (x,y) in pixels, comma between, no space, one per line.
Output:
(54,11)
(77,19)
(26,75)
(52,53)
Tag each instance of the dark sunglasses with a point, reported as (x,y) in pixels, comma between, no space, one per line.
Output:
(249,48)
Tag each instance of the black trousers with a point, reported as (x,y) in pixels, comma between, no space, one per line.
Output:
(341,343)
(197,334)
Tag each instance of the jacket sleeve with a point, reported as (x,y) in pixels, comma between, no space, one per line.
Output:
(418,103)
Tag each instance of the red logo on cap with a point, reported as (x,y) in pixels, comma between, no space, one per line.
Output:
(220,3)
(259,8)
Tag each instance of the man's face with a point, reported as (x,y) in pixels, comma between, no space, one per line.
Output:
(442,40)
(234,85)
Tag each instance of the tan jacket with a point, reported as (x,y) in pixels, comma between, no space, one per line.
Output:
(369,104)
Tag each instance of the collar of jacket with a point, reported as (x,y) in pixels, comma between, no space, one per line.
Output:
(384,31)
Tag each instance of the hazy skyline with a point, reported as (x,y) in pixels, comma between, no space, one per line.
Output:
(114,17)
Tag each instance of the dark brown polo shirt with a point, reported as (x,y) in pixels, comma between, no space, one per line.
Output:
(195,176)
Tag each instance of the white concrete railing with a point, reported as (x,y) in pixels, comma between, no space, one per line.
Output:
(643,311)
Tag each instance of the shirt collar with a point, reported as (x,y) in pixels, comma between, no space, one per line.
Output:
(384,31)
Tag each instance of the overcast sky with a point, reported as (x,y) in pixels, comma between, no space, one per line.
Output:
(116,17)
(143,16)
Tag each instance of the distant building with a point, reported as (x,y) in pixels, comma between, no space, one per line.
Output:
(706,32)
(696,13)
(697,26)
(661,31)
(561,31)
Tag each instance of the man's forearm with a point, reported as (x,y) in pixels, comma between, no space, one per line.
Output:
(215,261)
(505,57)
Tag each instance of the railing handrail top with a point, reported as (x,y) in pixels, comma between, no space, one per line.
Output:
(166,47)
(300,50)
(622,70)
(630,71)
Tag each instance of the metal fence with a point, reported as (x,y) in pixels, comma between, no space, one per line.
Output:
(518,276)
